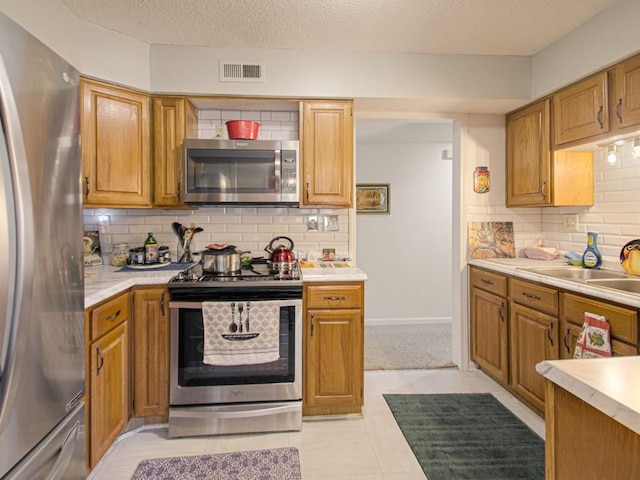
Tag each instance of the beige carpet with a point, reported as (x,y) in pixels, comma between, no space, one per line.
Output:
(403,347)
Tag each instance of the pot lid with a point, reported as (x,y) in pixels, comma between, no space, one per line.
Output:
(220,248)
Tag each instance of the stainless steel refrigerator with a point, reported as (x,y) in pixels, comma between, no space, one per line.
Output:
(42,429)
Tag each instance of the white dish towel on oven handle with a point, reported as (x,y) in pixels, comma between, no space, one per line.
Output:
(265,321)
(595,337)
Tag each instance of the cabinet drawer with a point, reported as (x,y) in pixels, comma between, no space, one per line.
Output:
(489,281)
(110,314)
(543,299)
(623,321)
(348,295)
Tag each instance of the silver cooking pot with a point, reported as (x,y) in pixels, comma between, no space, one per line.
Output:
(227,260)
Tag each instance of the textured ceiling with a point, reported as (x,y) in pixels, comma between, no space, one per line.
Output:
(484,27)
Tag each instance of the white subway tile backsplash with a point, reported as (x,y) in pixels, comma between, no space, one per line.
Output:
(248,228)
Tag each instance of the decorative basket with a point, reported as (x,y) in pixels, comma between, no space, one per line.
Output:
(243,129)
(540,253)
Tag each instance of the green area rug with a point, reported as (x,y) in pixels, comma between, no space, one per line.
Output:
(468,436)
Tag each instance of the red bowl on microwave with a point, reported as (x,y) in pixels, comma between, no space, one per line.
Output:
(243,129)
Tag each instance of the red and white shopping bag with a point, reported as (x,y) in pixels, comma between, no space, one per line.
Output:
(595,337)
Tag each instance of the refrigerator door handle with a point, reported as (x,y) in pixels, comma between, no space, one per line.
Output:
(66,454)
(18,255)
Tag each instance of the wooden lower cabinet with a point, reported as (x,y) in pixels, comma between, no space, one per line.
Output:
(489,323)
(582,442)
(151,353)
(333,348)
(534,338)
(544,323)
(108,374)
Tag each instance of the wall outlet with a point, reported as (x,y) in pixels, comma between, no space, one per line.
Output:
(571,223)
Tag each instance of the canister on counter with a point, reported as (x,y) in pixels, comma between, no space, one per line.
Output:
(136,256)
(163,255)
(120,255)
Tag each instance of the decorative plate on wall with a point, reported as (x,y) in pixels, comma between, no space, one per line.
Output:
(630,257)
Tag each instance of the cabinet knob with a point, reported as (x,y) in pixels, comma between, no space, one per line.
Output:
(619,110)
(565,340)
(100,361)
(599,117)
(529,296)
(549,330)
(113,316)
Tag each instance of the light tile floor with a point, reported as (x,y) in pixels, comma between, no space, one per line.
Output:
(367,447)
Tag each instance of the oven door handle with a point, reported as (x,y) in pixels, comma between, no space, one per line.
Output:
(198,305)
(210,414)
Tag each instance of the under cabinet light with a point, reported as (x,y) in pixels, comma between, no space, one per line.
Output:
(612,154)
(635,148)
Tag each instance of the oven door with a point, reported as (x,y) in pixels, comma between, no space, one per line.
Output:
(194,382)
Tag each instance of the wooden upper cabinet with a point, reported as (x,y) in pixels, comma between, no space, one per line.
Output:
(528,167)
(537,176)
(174,119)
(116,159)
(625,96)
(327,153)
(581,111)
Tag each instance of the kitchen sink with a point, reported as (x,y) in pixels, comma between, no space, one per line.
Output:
(629,285)
(577,273)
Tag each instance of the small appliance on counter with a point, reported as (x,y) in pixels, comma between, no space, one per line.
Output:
(281,258)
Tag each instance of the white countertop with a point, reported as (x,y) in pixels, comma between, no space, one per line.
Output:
(512,266)
(104,281)
(608,384)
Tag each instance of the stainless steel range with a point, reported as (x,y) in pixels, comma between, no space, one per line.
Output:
(236,351)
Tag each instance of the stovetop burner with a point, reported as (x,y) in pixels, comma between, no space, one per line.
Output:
(256,273)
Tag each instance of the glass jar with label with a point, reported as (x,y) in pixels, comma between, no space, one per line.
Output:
(120,254)
(163,255)
(136,256)
(481,180)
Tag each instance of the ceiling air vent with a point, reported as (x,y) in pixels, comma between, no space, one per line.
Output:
(241,71)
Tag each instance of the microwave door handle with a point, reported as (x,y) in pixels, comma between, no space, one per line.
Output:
(278,170)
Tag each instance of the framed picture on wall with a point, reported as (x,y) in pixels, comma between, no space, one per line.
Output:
(372,198)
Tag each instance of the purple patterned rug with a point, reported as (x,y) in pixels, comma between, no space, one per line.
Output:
(272,464)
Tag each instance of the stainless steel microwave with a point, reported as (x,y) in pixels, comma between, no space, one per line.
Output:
(241,172)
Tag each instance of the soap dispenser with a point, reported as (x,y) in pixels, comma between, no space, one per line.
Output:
(591,257)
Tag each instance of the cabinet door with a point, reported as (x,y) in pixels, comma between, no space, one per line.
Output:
(151,352)
(627,96)
(172,120)
(570,333)
(534,338)
(110,384)
(581,111)
(116,159)
(327,154)
(334,358)
(489,341)
(528,166)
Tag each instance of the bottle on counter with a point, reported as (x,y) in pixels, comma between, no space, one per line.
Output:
(591,257)
(150,249)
